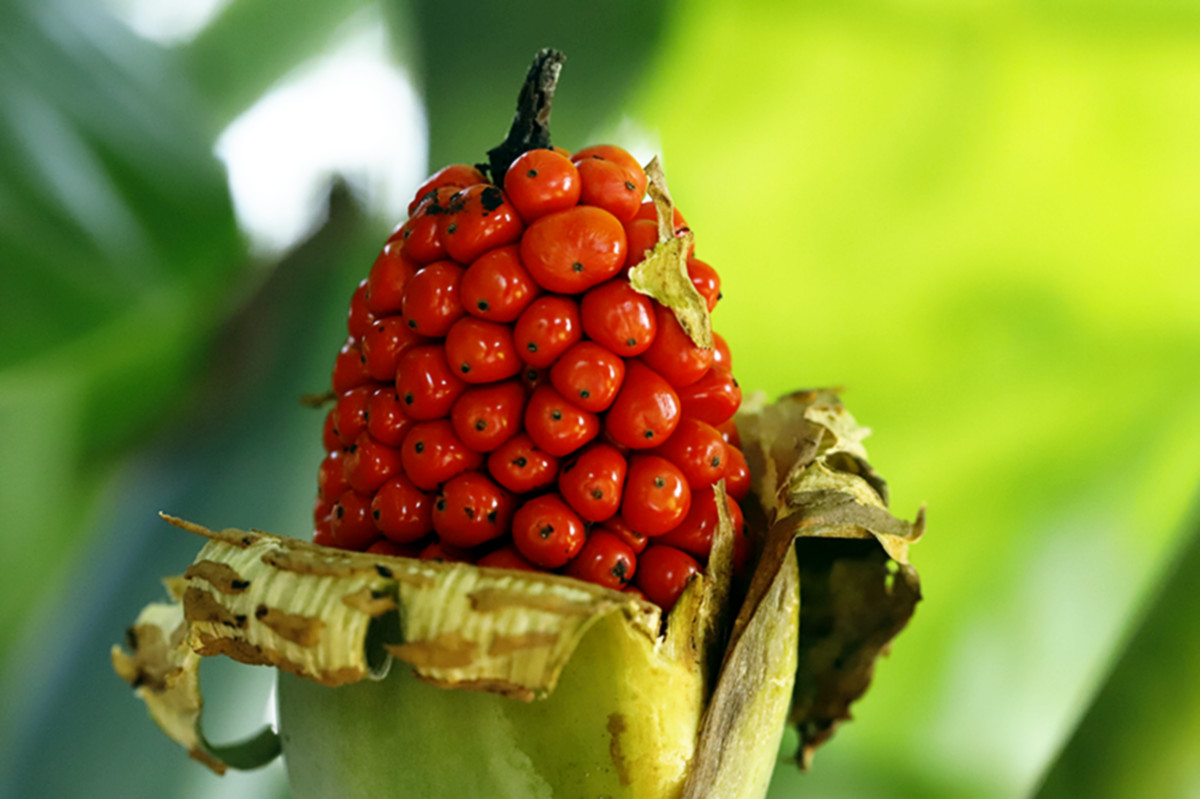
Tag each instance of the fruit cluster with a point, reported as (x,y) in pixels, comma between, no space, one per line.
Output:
(507,398)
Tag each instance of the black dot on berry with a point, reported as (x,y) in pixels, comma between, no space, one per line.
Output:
(453,226)
(546,531)
(720,294)
(408,398)
(375,513)
(412,323)
(619,569)
(532,348)
(629,185)
(584,393)
(631,342)
(556,415)
(362,359)
(366,416)
(482,305)
(353,448)
(407,233)
(597,494)
(380,328)
(491,517)
(716,461)
(735,382)
(480,424)
(649,434)
(340,512)
(531,173)
(419,447)
(659,482)
(470,512)
(466,367)
(441,503)
(520,462)
(531,375)
(578,267)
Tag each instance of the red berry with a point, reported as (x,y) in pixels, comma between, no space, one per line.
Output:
(387,279)
(646,410)
(426,384)
(456,176)
(612,179)
(722,357)
(401,511)
(706,280)
(663,573)
(729,433)
(485,417)
(604,560)
(555,425)
(472,510)
(422,237)
(573,250)
(694,535)
(541,182)
(496,287)
(477,219)
(329,436)
(520,466)
(547,329)
(431,300)
(618,318)
(350,523)
(386,420)
(588,375)
(698,450)
(591,484)
(633,590)
(481,351)
(360,318)
(737,474)
(714,398)
(369,464)
(350,414)
(632,538)
(385,342)
(322,536)
(331,479)
(657,496)
(506,558)
(648,210)
(445,553)
(641,236)
(350,368)
(673,354)
(547,532)
(432,454)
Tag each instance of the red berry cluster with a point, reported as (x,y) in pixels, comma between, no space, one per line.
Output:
(506,398)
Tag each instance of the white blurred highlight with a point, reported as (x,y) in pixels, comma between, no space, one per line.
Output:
(168,22)
(350,112)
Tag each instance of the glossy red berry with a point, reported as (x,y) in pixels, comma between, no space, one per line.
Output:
(520,466)
(350,414)
(646,410)
(657,496)
(547,532)
(737,474)
(431,301)
(557,426)
(729,432)
(360,318)
(604,560)
(350,368)
(421,236)
(663,574)
(401,511)
(426,384)
(694,535)
(497,286)
(698,449)
(350,522)
(477,219)
(386,420)
(484,417)
(714,398)
(612,179)
(618,318)
(588,375)
(673,354)
(385,342)
(329,437)
(706,280)
(432,454)
(573,250)
(387,279)
(441,552)
(621,529)
(547,329)
(722,357)
(506,558)
(541,182)
(641,237)
(456,176)
(472,510)
(369,464)
(331,479)
(592,483)
(481,352)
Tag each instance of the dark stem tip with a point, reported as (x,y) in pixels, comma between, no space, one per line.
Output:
(531,124)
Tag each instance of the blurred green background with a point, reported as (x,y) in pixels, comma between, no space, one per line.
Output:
(982,219)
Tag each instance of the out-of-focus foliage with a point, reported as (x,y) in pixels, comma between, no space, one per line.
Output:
(981,219)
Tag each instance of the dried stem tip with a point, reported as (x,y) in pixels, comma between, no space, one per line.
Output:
(531,125)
